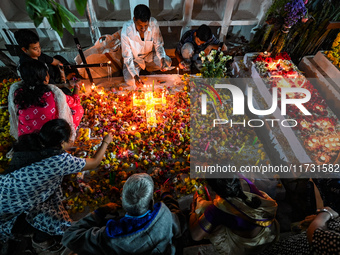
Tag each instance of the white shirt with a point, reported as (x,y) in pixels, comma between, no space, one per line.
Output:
(135,49)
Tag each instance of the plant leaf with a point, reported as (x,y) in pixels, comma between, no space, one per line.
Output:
(66,22)
(35,7)
(30,9)
(59,23)
(81,6)
(47,12)
(37,21)
(67,13)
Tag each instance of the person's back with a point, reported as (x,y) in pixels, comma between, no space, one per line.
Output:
(236,222)
(145,228)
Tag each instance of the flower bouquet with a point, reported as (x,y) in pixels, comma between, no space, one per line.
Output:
(214,64)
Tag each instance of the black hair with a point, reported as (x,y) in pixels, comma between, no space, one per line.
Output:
(231,187)
(51,135)
(142,13)
(54,132)
(33,73)
(28,142)
(204,33)
(25,37)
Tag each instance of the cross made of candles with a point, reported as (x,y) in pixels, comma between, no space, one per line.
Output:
(149,102)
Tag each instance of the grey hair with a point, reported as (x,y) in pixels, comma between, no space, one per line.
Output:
(137,194)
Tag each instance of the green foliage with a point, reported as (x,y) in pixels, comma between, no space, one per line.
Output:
(214,66)
(277,7)
(303,38)
(57,15)
(313,33)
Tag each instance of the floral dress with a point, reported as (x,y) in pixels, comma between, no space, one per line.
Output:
(36,191)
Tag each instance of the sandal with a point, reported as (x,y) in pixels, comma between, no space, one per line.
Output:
(50,247)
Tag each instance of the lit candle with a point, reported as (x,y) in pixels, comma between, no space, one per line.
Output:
(83,87)
(93,86)
(177,70)
(153,85)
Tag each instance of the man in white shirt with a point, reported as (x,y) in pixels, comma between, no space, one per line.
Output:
(142,46)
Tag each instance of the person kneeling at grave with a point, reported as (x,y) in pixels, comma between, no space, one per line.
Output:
(192,43)
(142,46)
(146,228)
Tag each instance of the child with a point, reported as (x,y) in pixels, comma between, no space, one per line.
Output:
(193,42)
(33,101)
(29,43)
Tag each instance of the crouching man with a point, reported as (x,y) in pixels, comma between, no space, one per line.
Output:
(146,228)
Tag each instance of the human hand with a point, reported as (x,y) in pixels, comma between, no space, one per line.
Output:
(76,89)
(165,188)
(181,65)
(163,65)
(208,49)
(107,139)
(307,221)
(184,65)
(138,81)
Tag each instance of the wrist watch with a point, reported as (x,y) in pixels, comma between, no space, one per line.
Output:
(325,210)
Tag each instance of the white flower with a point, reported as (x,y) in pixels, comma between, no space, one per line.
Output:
(224,58)
(210,58)
(201,54)
(221,54)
